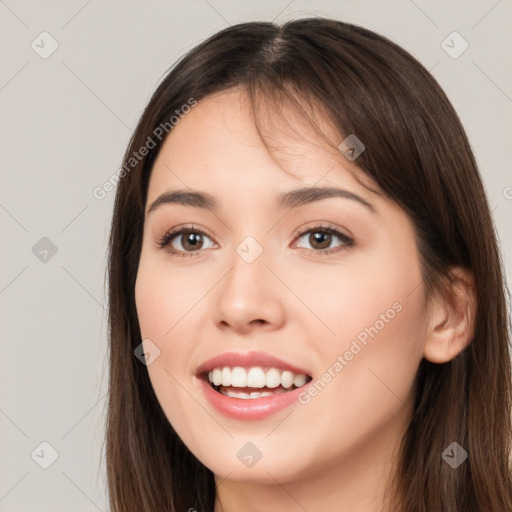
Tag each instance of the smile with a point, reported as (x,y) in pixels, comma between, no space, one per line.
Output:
(250,385)
(255,382)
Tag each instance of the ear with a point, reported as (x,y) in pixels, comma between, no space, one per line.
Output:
(450,327)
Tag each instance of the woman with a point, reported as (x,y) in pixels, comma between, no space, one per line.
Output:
(307,306)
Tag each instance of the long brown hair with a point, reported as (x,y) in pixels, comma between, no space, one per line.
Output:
(419,155)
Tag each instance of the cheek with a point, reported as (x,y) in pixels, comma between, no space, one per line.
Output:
(162,297)
(372,362)
(376,308)
(162,304)
(365,390)
(171,308)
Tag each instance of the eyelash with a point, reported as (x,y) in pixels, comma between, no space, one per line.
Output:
(166,239)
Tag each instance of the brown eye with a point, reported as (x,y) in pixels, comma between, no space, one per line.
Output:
(183,241)
(320,239)
(191,241)
(323,239)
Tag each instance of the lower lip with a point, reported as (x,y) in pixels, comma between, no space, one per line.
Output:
(250,408)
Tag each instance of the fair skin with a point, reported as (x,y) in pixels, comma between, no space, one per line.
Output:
(335,452)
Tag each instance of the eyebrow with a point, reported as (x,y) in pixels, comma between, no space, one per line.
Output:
(292,199)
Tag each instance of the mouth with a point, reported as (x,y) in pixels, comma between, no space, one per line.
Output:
(253,382)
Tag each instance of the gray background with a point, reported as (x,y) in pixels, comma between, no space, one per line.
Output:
(65,122)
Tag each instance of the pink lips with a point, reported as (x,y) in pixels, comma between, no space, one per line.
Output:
(247,360)
(251,408)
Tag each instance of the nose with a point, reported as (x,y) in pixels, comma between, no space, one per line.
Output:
(249,297)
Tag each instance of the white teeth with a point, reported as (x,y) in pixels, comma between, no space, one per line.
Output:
(299,380)
(234,394)
(256,394)
(255,377)
(273,378)
(226,377)
(253,394)
(238,377)
(217,376)
(287,379)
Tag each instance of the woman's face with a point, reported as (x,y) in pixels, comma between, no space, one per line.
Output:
(256,274)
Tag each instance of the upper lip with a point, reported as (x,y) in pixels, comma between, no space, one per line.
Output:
(248,360)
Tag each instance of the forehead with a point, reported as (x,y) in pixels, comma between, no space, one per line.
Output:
(217,146)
